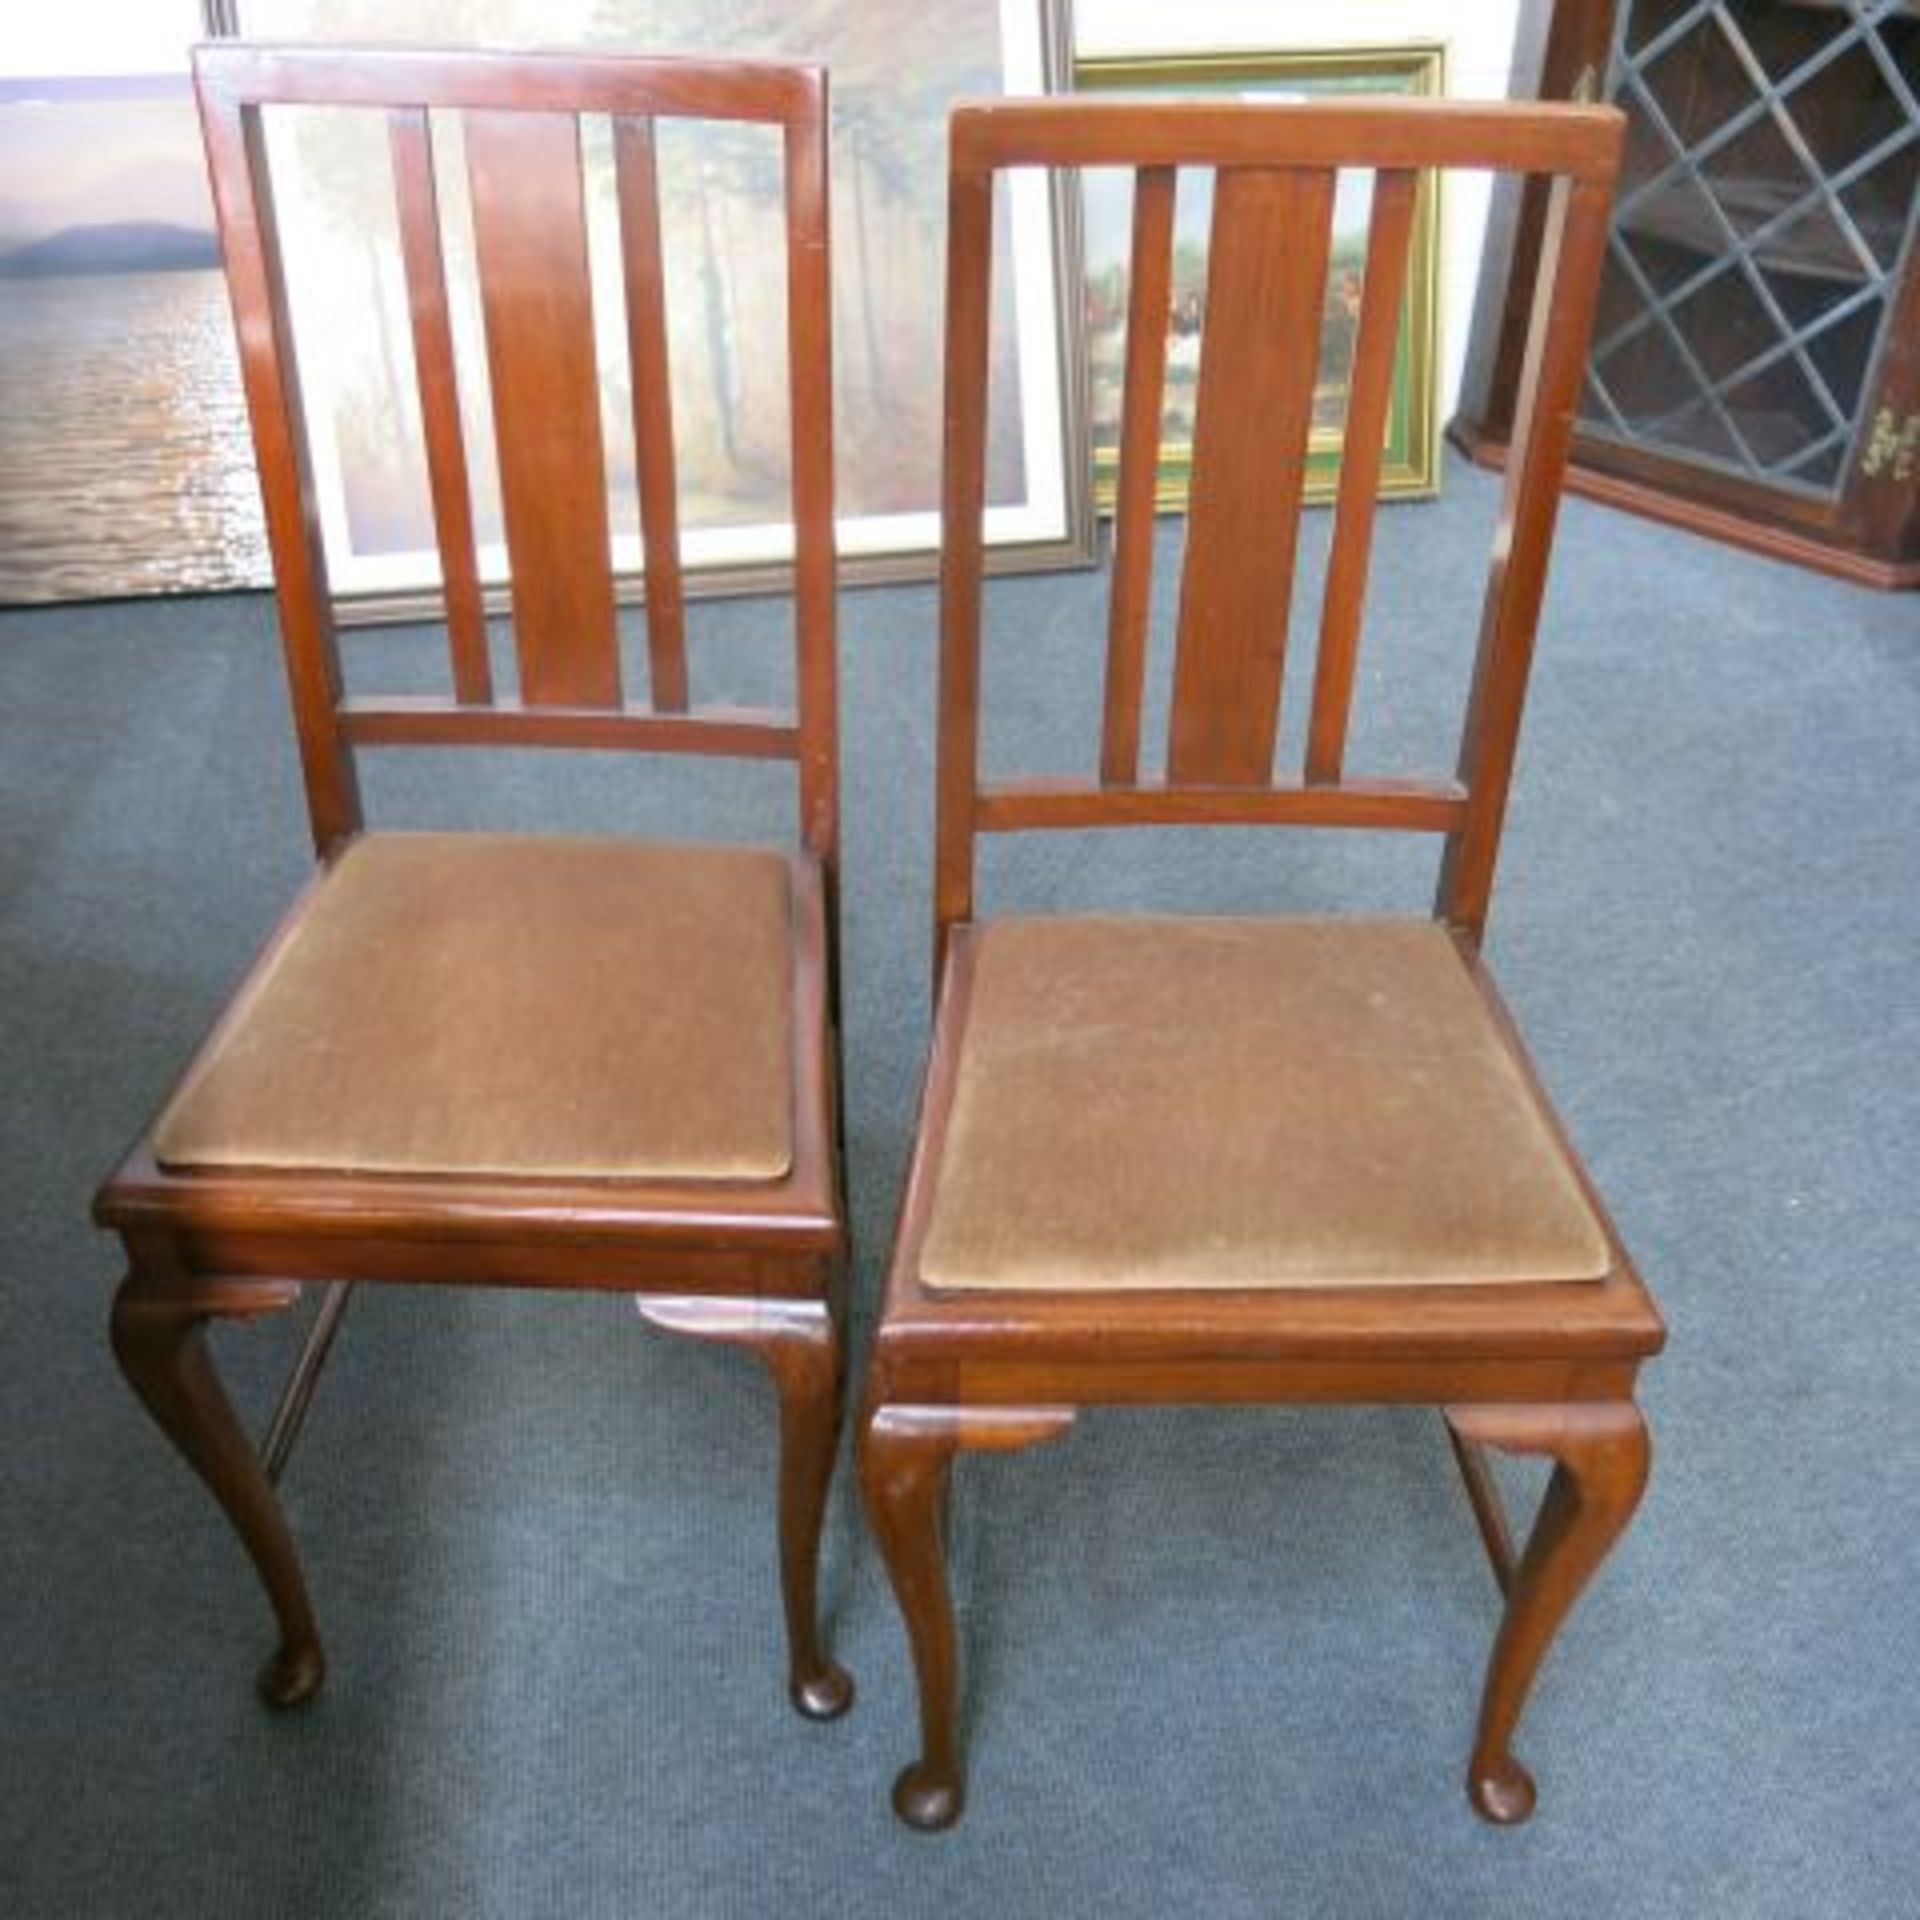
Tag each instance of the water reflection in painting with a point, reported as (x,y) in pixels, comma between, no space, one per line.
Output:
(125,463)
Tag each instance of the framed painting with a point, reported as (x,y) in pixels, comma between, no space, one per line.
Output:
(893,82)
(1410,465)
(125,462)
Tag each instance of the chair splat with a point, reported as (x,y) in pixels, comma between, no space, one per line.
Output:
(1148,301)
(636,181)
(530,237)
(1266,275)
(411,144)
(1369,388)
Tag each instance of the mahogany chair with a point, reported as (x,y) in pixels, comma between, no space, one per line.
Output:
(489,1059)
(1188,1160)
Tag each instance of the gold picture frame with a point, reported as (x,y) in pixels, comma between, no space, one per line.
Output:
(1410,466)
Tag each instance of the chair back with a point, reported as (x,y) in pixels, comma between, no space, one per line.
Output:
(520,122)
(1275,168)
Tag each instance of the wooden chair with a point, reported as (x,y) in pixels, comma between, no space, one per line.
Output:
(494,1060)
(1190,1160)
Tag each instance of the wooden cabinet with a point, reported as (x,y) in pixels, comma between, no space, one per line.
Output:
(1755,372)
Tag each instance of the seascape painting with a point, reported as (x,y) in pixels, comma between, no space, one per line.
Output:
(724,245)
(1409,465)
(125,461)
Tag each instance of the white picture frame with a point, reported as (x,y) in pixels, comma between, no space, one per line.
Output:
(383,563)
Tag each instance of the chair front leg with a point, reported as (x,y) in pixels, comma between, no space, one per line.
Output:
(159,1330)
(1601,1455)
(809,1374)
(906,1456)
(803,1347)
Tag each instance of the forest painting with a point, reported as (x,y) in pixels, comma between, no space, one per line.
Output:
(1409,462)
(721,207)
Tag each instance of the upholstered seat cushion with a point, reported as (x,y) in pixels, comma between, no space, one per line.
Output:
(1242,1103)
(512,1005)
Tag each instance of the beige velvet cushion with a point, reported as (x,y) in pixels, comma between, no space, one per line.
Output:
(513,1005)
(1242,1103)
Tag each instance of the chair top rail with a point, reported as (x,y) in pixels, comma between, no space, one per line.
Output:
(251,74)
(1509,136)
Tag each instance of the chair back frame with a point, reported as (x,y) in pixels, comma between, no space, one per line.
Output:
(520,115)
(1275,171)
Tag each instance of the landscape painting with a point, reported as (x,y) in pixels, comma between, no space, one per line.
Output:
(1409,464)
(125,461)
(724,244)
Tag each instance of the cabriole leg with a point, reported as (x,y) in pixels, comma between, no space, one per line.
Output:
(804,1349)
(906,1456)
(904,1476)
(1601,1454)
(160,1340)
(809,1373)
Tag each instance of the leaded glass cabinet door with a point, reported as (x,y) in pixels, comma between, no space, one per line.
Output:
(1755,371)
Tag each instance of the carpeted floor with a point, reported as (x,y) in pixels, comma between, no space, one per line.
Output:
(1216,1663)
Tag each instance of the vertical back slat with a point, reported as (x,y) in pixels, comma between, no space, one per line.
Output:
(531,243)
(636,184)
(410,141)
(810,403)
(962,505)
(249,239)
(1150,274)
(1266,287)
(1572,253)
(1369,389)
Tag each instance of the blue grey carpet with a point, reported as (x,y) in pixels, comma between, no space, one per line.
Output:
(1216,1663)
